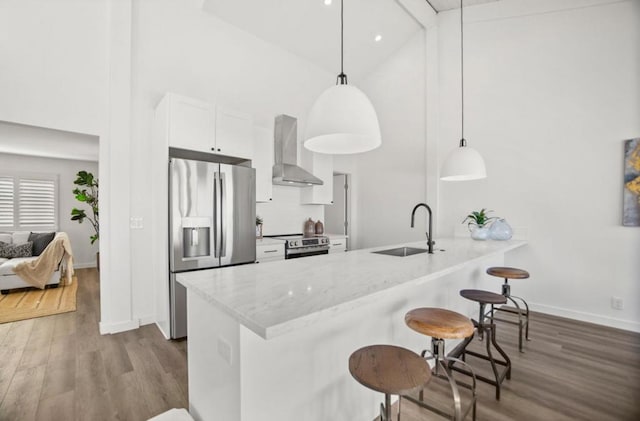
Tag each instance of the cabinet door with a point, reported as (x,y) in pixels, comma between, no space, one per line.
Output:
(191,123)
(269,253)
(263,163)
(234,133)
(320,165)
(337,244)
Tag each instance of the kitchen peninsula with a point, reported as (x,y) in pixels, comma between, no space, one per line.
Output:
(272,341)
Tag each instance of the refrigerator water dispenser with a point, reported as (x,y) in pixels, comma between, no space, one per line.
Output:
(195,237)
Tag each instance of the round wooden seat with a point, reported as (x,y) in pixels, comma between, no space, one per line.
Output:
(483,297)
(389,369)
(439,323)
(508,273)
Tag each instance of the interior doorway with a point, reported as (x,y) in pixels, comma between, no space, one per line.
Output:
(338,215)
(39,167)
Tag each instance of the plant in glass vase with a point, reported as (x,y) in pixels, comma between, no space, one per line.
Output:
(478,223)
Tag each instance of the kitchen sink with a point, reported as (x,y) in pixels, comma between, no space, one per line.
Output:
(401,251)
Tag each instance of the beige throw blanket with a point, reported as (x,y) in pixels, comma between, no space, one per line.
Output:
(38,271)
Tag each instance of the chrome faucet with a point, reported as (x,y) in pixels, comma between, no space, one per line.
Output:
(430,243)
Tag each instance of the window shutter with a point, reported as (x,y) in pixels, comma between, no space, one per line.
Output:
(6,202)
(37,203)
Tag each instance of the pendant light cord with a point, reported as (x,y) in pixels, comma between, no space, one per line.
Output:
(342,78)
(341,36)
(462,141)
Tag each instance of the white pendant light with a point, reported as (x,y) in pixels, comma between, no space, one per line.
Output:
(342,120)
(463,163)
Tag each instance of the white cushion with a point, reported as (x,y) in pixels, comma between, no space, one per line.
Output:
(6,268)
(174,414)
(3,259)
(6,238)
(20,237)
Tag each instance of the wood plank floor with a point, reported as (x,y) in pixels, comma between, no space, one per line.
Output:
(60,367)
(570,370)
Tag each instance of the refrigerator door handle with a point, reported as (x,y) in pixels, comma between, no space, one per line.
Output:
(223,215)
(216,215)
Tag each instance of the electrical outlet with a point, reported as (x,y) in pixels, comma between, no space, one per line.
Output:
(617,303)
(224,350)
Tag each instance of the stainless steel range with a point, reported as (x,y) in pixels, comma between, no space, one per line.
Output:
(297,245)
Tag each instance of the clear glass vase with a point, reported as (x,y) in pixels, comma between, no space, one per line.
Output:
(500,230)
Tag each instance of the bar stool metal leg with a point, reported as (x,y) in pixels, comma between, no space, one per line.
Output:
(486,328)
(441,370)
(521,306)
(385,409)
(522,313)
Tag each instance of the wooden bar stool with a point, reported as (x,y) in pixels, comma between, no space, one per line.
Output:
(523,313)
(484,325)
(443,324)
(391,370)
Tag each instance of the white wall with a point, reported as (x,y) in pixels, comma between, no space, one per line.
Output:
(53,63)
(84,254)
(389,181)
(65,65)
(550,95)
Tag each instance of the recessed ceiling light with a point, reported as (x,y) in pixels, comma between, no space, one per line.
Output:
(378,38)
(327,2)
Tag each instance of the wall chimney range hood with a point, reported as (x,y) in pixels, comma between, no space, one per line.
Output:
(286,171)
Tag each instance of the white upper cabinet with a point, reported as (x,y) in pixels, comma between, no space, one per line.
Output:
(199,126)
(263,163)
(234,133)
(320,165)
(191,123)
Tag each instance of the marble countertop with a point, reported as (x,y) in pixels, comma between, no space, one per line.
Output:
(268,242)
(274,299)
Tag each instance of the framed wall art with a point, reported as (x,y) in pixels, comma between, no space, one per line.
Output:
(631,195)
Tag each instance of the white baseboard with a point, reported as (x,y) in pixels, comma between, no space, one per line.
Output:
(147,320)
(587,317)
(83,265)
(108,328)
(116,327)
(166,335)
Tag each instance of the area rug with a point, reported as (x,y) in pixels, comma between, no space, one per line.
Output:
(31,303)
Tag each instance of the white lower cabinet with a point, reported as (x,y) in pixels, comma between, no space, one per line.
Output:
(337,243)
(268,250)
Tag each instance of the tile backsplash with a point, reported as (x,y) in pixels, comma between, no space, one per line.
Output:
(285,214)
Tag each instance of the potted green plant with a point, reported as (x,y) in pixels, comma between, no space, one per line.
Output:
(258,227)
(478,223)
(87,192)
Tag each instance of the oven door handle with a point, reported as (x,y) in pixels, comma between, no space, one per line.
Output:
(307,250)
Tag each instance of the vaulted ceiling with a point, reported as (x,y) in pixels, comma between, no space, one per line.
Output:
(311,28)
(442,5)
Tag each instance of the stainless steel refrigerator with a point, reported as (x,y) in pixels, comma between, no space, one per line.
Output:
(212,216)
